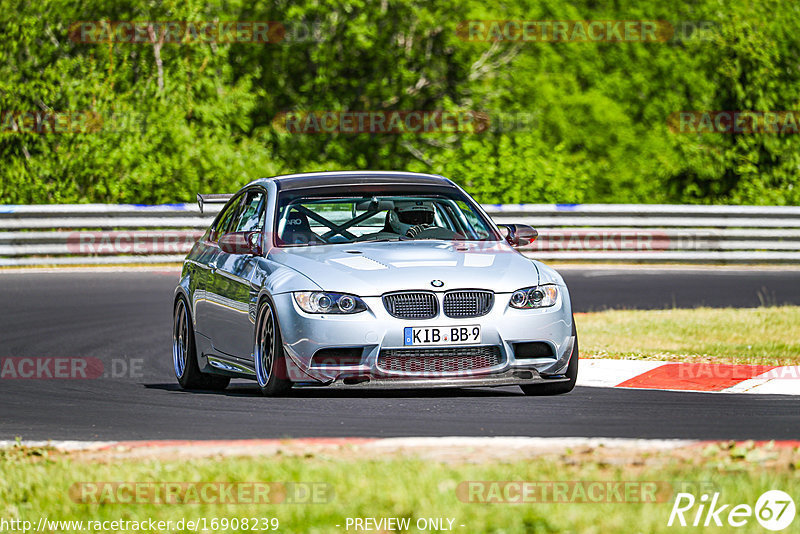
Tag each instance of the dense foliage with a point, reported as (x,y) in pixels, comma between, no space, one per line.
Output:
(582,121)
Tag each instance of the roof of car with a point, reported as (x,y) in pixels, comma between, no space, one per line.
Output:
(344,178)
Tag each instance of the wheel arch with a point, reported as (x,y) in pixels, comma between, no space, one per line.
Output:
(182,294)
(181,291)
(265,295)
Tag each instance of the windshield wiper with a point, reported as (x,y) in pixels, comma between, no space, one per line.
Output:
(381,239)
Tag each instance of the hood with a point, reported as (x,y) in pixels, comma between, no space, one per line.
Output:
(371,269)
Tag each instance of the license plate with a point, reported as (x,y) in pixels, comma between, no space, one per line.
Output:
(442,335)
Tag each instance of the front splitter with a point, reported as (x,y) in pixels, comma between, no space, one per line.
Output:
(508,378)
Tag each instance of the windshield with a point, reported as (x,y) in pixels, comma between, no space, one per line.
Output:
(304,219)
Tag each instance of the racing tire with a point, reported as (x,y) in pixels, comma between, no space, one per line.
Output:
(558,388)
(268,354)
(184,354)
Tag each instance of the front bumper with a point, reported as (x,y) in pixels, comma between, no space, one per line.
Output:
(374,330)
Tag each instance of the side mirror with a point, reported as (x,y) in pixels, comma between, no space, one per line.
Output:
(241,243)
(519,235)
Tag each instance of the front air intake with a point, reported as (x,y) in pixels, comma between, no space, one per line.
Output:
(439,360)
(337,357)
(536,349)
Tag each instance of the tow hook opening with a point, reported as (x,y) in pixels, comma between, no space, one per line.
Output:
(352,380)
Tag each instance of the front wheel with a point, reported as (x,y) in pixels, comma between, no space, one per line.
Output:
(270,362)
(559,388)
(184,354)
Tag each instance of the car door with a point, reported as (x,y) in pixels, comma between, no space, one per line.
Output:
(234,317)
(207,303)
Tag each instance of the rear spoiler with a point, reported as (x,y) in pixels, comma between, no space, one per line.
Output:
(212,199)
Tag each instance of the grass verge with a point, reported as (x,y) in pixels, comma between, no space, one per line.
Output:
(36,483)
(766,335)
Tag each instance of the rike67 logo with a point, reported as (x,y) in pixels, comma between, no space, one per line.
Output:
(774,510)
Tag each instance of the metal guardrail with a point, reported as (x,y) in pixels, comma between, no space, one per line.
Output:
(115,234)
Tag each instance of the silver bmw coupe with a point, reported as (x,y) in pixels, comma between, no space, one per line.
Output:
(368,280)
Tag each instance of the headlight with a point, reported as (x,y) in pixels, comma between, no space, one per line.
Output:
(326,302)
(534,297)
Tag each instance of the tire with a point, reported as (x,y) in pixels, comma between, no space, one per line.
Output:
(270,360)
(558,388)
(184,354)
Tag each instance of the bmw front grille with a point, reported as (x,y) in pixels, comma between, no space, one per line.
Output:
(412,304)
(467,303)
(425,304)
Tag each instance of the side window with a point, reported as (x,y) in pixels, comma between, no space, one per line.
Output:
(252,214)
(224,221)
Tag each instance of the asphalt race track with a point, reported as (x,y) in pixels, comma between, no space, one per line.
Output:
(124,319)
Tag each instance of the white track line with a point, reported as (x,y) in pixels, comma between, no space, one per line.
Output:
(382,444)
